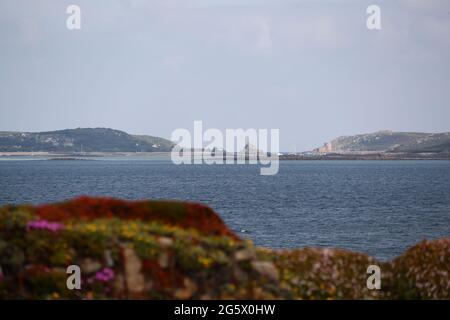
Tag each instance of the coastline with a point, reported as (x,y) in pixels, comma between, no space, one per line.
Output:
(368,156)
(283,157)
(43,154)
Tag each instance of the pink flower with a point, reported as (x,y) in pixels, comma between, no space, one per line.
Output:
(105,275)
(44,225)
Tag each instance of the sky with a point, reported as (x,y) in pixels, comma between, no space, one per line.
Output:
(309,68)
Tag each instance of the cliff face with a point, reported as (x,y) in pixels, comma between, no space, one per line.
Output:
(175,250)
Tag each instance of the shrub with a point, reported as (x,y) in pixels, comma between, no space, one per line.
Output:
(174,250)
(422,272)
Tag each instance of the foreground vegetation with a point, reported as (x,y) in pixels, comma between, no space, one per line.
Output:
(174,250)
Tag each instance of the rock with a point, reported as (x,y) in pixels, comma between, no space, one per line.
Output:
(134,278)
(187,292)
(165,242)
(89,265)
(108,258)
(266,269)
(163,260)
(244,255)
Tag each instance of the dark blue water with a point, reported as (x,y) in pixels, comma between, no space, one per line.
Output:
(378,207)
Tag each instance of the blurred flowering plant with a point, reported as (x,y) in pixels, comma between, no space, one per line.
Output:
(44,225)
(105,275)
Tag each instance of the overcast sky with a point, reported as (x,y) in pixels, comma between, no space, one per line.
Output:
(310,68)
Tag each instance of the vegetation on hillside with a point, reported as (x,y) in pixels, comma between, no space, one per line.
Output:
(176,250)
(81,140)
(389,141)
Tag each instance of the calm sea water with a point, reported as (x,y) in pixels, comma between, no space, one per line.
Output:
(377,207)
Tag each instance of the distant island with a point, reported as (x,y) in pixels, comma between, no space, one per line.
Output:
(385,144)
(381,145)
(390,141)
(81,140)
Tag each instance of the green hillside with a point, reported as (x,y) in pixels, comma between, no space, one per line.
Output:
(389,141)
(81,139)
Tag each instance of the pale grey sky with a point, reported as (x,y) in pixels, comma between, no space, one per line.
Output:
(309,68)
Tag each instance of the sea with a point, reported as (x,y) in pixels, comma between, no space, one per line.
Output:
(377,207)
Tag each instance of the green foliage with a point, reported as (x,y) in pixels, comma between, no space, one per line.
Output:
(87,139)
(394,141)
(422,272)
(171,261)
